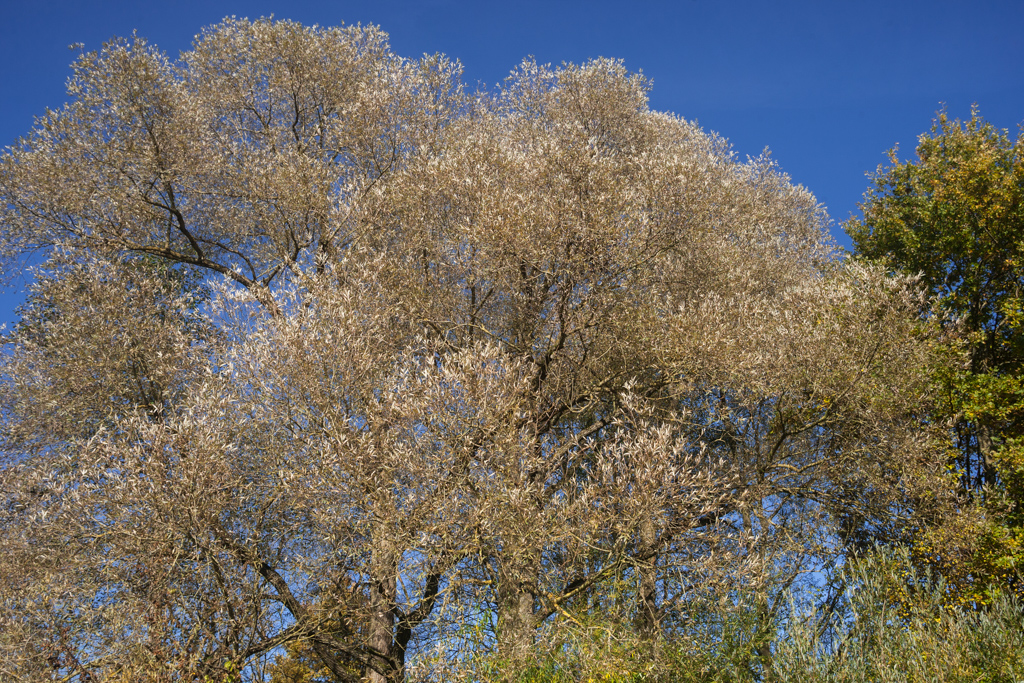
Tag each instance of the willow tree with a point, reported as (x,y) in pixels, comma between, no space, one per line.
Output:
(422,374)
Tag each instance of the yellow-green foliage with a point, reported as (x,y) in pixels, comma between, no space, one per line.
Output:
(955,217)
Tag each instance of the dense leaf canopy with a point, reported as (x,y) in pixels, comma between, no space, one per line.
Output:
(330,356)
(955,216)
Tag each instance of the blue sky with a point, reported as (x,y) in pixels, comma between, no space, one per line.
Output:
(827,86)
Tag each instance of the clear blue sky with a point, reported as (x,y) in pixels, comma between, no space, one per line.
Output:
(827,85)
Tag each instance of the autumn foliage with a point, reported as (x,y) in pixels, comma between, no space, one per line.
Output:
(335,370)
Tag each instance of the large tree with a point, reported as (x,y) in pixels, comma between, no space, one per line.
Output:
(465,365)
(954,216)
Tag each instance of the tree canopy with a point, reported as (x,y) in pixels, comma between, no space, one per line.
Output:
(954,215)
(332,356)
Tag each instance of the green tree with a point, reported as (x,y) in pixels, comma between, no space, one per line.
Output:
(955,216)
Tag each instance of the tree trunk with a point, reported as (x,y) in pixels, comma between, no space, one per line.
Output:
(515,615)
(383,618)
(647,608)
